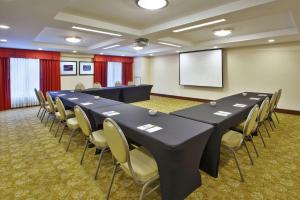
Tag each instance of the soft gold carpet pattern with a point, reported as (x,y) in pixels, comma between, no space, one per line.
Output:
(34,166)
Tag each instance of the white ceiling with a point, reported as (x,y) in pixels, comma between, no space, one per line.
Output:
(45,23)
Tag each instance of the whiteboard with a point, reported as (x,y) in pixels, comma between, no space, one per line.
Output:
(201,68)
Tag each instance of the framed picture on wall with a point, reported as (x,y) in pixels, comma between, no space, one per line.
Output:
(68,68)
(86,68)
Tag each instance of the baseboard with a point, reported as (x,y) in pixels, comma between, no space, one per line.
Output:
(286,111)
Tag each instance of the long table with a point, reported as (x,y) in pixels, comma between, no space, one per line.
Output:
(177,147)
(205,113)
(126,94)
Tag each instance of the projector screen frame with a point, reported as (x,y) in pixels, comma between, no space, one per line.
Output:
(201,51)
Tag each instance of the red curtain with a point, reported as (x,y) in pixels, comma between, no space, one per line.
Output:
(126,73)
(122,59)
(100,73)
(4,84)
(49,75)
(23,53)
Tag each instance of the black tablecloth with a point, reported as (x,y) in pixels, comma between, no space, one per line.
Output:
(205,113)
(177,148)
(127,94)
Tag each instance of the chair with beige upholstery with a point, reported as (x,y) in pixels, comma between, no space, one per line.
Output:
(51,108)
(137,163)
(67,119)
(118,83)
(263,116)
(95,137)
(97,85)
(233,140)
(276,104)
(38,98)
(79,87)
(43,104)
(272,109)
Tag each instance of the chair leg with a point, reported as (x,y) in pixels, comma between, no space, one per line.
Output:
(273,123)
(86,145)
(54,119)
(39,112)
(43,115)
(47,119)
(270,124)
(238,166)
(62,133)
(58,125)
(71,136)
(264,123)
(251,139)
(98,166)
(248,152)
(262,139)
(276,117)
(111,181)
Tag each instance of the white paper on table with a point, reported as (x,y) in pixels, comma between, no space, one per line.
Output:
(240,105)
(154,129)
(262,95)
(61,95)
(222,113)
(110,113)
(54,92)
(145,127)
(86,103)
(254,98)
(73,98)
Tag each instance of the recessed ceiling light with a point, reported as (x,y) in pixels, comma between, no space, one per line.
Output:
(151,54)
(73,39)
(96,31)
(199,25)
(101,53)
(152,4)
(177,51)
(215,47)
(40,49)
(2,26)
(169,44)
(271,40)
(74,51)
(222,33)
(3,40)
(138,48)
(113,46)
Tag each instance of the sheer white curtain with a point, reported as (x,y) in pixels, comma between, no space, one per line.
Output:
(114,73)
(24,77)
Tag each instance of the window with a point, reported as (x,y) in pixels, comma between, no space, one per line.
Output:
(114,73)
(24,77)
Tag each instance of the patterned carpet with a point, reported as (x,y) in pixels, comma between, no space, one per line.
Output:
(34,166)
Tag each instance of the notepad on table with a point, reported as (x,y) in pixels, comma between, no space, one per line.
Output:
(110,113)
(73,98)
(254,98)
(262,95)
(86,103)
(154,129)
(222,113)
(145,127)
(61,95)
(240,105)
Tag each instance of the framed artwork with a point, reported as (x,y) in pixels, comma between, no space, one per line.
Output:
(68,68)
(86,68)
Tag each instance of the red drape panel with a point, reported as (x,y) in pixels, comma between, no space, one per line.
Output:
(4,84)
(122,59)
(126,73)
(23,53)
(100,73)
(49,75)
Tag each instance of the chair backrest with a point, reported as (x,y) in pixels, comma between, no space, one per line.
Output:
(79,86)
(42,99)
(37,95)
(83,121)
(278,97)
(272,102)
(264,110)
(97,85)
(251,121)
(118,83)
(61,108)
(50,102)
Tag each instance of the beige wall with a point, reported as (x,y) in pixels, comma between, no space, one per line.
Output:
(260,68)
(69,82)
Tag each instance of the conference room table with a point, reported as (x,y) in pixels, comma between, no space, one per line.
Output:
(176,143)
(238,107)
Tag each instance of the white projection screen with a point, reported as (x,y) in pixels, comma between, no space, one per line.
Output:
(201,68)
